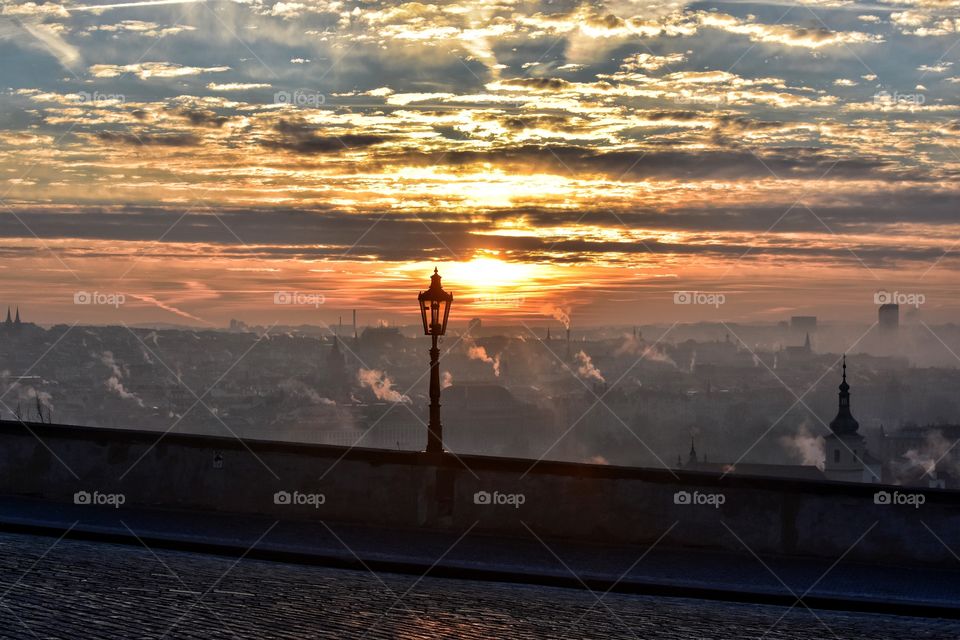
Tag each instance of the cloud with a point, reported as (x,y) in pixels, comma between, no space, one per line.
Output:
(787,35)
(149,139)
(237,86)
(651,62)
(146,70)
(202,117)
(296,135)
(32,9)
(140,27)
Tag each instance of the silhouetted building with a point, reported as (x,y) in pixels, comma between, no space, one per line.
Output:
(11,324)
(803,324)
(488,419)
(382,337)
(888,318)
(846,453)
(335,360)
(795,471)
(800,352)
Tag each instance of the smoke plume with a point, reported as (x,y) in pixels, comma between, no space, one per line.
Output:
(934,453)
(806,447)
(635,346)
(381,385)
(559,313)
(113,383)
(476,352)
(587,369)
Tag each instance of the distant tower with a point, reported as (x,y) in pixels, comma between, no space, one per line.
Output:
(806,345)
(356,335)
(692,457)
(16,321)
(845,449)
(336,370)
(548,334)
(8,323)
(888,317)
(844,423)
(803,324)
(335,358)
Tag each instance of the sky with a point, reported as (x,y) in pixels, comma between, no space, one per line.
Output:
(622,162)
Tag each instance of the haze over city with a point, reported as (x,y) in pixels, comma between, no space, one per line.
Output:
(498,319)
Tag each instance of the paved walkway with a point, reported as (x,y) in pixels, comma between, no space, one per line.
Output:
(534,560)
(55,588)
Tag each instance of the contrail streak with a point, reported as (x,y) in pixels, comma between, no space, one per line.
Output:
(124,5)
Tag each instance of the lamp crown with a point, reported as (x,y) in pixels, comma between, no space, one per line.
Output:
(435,306)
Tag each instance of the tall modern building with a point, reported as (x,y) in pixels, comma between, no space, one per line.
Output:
(803,324)
(845,449)
(800,327)
(888,318)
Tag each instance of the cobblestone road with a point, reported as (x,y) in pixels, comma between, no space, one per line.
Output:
(71,589)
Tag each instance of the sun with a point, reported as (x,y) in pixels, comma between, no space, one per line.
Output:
(489,273)
(488,285)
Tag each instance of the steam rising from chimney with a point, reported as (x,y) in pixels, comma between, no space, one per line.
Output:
(476,352)
(806,447)
(381,385)
(936,451)
(113,383)
(587,369)
(635,346)
(559,313)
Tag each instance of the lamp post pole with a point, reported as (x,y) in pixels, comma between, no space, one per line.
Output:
(435,428)
(435,311)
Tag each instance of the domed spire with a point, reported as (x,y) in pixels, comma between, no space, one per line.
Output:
(844,423)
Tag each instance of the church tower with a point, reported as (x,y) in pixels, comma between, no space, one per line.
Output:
(847,459)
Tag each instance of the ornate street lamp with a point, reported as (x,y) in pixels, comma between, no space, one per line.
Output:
(434,310)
